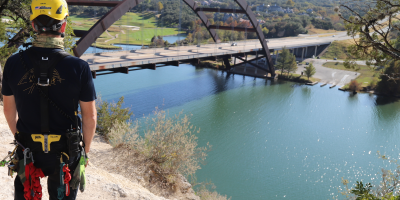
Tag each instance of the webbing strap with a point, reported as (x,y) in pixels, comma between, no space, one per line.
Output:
(44,65)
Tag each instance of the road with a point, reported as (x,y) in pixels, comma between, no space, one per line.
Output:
(111,60)
(328,75)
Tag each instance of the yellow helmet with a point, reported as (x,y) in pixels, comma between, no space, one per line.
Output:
(56,9)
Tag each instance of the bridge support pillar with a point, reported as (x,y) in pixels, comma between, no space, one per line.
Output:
(245,64)
(316,47)
(302,54)
(306,52)
(227,64)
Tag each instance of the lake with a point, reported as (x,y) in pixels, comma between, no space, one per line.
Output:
(271,139)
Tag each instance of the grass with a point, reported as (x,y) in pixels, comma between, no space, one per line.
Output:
(146,21)
(105,46)
(313,31)
(367,75)
(136,37)
(337,49)
(297,77)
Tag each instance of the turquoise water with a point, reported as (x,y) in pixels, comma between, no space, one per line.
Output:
(271,139)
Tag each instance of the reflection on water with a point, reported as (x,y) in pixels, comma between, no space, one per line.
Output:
(174,38)
(271,139)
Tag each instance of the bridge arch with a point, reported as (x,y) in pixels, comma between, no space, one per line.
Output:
(121,7)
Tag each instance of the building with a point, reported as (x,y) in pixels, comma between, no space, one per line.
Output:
(309,10)
(205,3)
(262,8)
(288,10)
(275,8)
(228,15)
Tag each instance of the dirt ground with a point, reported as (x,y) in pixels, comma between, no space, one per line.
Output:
(100,183)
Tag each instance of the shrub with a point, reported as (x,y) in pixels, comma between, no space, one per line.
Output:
(108,114)
(205,194)
(354,86)
(168,142)
(388,188)
(206,191)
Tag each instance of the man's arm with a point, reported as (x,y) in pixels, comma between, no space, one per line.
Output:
(10,112)
(89,119)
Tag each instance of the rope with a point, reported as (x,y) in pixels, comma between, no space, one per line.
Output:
(155,30)
(142,23)
(64,180)
(180,25)
(162,22)
(32,187)
(198,33)
(127,31)
(216,31)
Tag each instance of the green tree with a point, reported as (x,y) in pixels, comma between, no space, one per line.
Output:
(286,61)
(292,65)
(374,25)
(17,13)
(109,114)
(160,6)
(290,3)
(310,71)
(265,31)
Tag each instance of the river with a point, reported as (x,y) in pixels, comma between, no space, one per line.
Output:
(124,47)
(271,139)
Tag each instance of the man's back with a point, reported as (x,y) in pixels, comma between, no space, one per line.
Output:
(71,82)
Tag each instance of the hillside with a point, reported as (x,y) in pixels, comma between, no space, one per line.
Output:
(102,180)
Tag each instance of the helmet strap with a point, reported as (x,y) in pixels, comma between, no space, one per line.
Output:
(54,29)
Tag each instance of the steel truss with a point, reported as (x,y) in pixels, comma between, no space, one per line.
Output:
(121,7)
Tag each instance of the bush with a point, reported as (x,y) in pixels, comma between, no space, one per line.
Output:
(354,86)
(109,114)
(209,193)
(388,188)
(168,142)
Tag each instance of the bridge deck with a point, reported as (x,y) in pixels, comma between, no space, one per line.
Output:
(137,58)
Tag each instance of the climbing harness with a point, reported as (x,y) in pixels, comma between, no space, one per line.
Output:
(32,143)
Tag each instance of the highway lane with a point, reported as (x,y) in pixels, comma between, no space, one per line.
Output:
(116,59)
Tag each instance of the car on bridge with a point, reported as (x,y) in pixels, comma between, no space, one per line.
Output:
(234,44)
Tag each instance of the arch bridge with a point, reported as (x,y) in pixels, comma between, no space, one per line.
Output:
(87,38)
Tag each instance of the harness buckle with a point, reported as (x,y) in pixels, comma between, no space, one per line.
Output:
(40,83)
(46,140)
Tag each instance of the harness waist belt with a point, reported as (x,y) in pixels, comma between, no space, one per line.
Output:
(46,140)
(43,142)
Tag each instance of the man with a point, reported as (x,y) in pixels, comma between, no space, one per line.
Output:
(41,88)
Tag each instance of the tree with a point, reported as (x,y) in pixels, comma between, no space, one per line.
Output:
(265,31)
(18,12)
(374,23)
(290,3)
(160,6)
(354,86)
(286,61)
(292,65)
(310,71)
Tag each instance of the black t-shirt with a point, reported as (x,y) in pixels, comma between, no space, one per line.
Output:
(71,82)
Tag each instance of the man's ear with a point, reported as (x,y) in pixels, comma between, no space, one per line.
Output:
(62,29)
